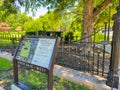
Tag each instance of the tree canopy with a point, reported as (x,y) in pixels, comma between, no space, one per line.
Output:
(75,15)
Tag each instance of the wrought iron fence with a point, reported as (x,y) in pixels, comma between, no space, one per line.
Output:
(9,42)
(83,56)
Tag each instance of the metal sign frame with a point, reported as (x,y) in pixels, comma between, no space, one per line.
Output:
(48,71)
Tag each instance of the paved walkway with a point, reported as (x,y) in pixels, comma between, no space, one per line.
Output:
(6,55)
(1,88)
(92,81)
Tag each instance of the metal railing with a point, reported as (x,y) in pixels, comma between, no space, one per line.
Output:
(9,42)
(83,56)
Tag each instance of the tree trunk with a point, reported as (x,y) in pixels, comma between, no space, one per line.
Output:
(88,21)
(90,15)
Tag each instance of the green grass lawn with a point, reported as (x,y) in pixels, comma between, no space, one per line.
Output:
(5,65)
(32,78)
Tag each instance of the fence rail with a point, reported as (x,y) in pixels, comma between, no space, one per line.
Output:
(9,41)
(83,56)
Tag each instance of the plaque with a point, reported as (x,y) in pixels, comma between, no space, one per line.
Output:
(37,51)
(43,52)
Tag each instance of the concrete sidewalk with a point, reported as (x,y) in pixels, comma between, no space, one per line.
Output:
(93,82)
(1,88)
(6,55)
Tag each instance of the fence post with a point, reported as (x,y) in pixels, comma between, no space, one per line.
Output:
(114,68)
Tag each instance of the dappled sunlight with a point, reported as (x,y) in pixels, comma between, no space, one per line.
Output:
(1,82)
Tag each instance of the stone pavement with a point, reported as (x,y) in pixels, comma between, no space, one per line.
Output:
(92,81)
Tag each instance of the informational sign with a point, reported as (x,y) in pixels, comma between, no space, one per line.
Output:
(37,51)
(43,52)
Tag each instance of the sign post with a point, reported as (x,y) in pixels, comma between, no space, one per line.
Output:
(38,53)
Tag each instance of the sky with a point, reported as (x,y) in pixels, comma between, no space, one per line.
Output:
(40,11)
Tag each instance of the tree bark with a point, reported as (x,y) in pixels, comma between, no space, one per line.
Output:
(87,21)
(89,15)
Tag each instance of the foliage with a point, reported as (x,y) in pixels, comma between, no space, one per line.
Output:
(50,21)
(68,35)
(18,19)
(7,7)
(50,4)
(30,33)
(99,37)
(65,14)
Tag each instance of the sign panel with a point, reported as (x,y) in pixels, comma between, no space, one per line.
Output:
(43,52)
(26,49)
(36,50)
(38,53)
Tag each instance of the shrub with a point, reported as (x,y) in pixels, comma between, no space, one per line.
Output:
(68,35)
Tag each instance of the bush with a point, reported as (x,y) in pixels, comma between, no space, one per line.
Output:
(68,35)
(99,37)
(30,33)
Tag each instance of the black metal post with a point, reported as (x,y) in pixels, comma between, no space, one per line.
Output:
(119,2)
(109,23)
(103,62)
(50,81)
(62,44)
(94,34)
(105,31)
(98,61)
(15,64)
(113,74)
(94,50)
(88,61)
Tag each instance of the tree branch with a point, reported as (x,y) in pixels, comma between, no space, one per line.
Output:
(97,10)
